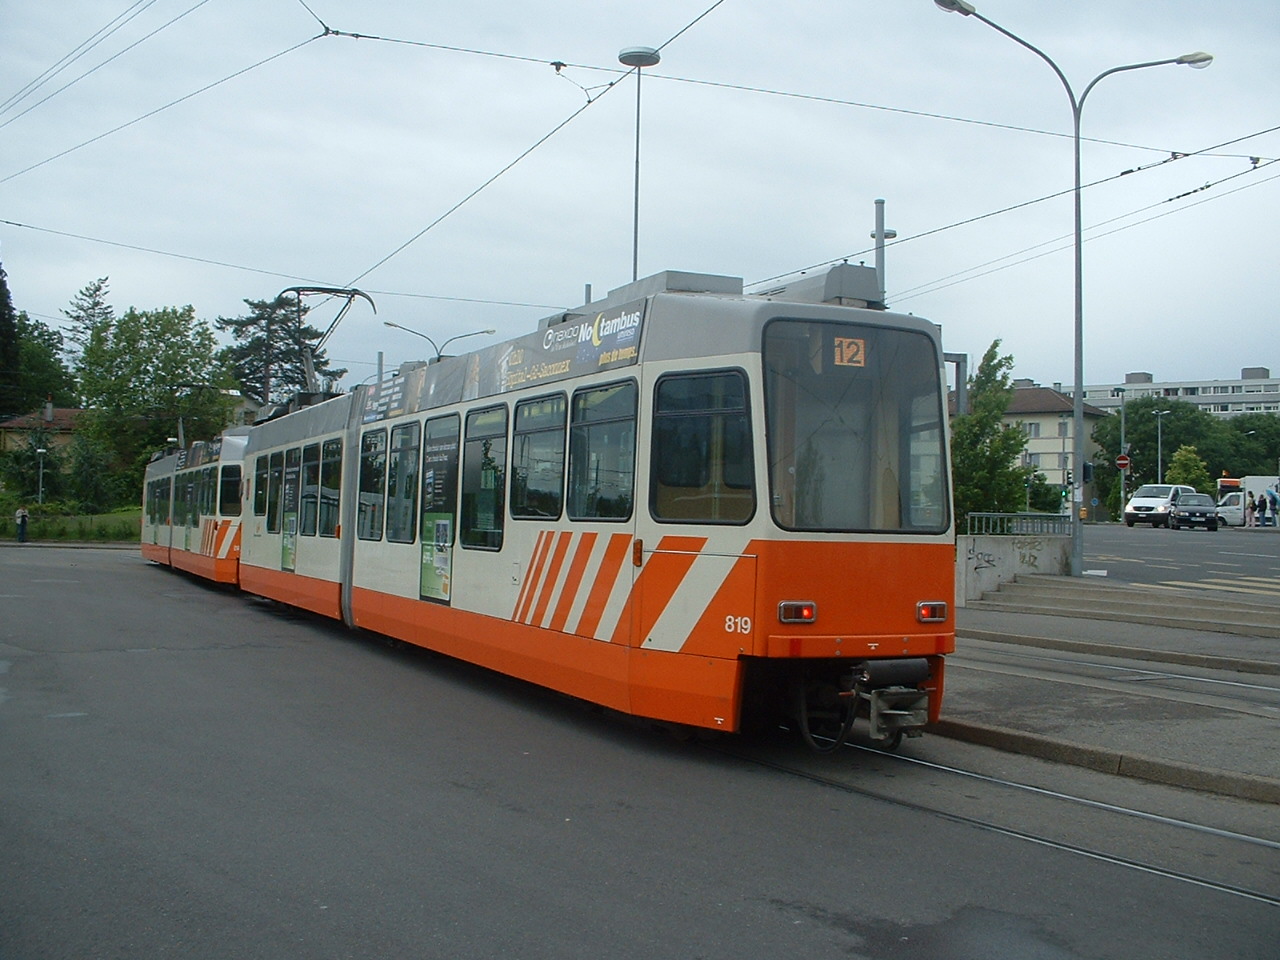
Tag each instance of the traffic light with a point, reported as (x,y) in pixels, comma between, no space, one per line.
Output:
(1068,478)
(1088,472)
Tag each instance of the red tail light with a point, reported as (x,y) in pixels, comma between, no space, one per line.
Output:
(797,611)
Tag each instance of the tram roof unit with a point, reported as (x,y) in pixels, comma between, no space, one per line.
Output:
(229,445)
(603,335)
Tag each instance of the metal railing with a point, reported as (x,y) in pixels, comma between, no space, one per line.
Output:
(1019,524)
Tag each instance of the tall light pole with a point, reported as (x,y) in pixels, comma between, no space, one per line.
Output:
(638,58)
(40,452)
(1123,447)
(440,349)
(1198,60)
(1160,415)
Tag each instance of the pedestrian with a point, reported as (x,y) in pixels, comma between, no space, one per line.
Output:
(20,518)
(1260,508)
(1248,509)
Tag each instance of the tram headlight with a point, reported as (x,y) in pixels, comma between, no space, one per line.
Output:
(797,611)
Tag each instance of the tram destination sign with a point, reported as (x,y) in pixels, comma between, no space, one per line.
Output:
(580,345)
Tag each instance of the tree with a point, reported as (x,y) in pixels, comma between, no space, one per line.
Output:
(10,361)
(1184,425)
(42,373)
(146,376)
(267,356)
(29,472)
(984,451)
(1254,442)
(1185,466)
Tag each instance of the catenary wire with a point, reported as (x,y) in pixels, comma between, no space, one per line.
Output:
(161,109)
(109,59)
(541,140)
(95,38)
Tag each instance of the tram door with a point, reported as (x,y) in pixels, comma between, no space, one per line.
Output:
(695,592)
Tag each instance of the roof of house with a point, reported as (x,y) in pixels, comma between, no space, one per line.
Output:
(1027,400)
(64,420)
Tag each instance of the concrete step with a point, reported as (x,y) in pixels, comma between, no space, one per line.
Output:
(1091,599)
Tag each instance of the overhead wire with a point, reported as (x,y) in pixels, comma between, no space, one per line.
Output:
(934,286)
(525,153)
(1206,151)
(95,38)
(172,103)
(109,59)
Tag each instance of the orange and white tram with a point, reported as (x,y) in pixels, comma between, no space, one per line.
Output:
(681,502)
(191,507)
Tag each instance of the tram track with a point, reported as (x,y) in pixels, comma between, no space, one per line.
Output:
(1228,846)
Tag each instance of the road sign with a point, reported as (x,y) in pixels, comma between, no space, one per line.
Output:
(1123,461)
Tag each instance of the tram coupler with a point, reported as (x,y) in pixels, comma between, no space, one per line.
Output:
(888,691)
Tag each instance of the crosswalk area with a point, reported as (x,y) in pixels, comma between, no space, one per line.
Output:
(1263,589)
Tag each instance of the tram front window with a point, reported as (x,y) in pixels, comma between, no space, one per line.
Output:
(854,431)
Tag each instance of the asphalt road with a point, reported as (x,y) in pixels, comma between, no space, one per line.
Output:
(1234,558)
(188,773)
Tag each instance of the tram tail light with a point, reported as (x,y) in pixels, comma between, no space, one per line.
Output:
(931,611)
(797,611)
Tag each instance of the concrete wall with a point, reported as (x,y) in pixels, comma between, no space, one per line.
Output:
(985,562)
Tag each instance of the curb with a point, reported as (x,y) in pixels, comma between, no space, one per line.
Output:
(1239,785)
(1207,661)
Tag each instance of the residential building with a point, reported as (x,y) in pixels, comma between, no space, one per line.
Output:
(1255,392)
(60,422)
(1045,416)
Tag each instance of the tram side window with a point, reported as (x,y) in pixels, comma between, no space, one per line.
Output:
(330,487)
(310,489)
(229,494)
(602,448)
(402,484)
(701,457)
(440,480)
(275,481)
(162,501)
(373,482)
(208,491)
(484,464)
(537,458)
(260,487)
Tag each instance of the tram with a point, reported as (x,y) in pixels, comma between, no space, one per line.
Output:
(682,502)
(191,507)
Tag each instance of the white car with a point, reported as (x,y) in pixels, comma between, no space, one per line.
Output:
(1152,502)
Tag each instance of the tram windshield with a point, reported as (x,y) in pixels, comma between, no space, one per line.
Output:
(855,431)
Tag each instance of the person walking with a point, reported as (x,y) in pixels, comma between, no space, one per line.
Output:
(20,518)
(1248,509)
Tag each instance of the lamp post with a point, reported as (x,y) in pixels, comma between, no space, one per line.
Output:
(638,58)
(40,452)
(1198,60)
(1160,415)
(1123,448)
(440,349)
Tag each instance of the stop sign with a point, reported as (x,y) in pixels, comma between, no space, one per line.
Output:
(1123,461)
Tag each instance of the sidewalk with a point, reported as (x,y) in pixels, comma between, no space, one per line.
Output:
(1194,742)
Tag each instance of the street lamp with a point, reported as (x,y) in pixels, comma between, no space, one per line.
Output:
(1160,415)
(1199,60)
(40,452)
(1123,449)
(440,349)
(637,58)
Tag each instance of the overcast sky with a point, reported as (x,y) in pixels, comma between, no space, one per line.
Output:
(237,151)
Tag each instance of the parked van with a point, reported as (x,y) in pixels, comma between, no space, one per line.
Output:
(1151,502)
